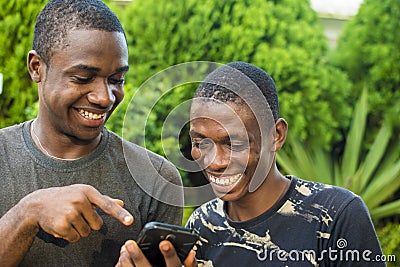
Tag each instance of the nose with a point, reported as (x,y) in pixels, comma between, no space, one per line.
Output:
(102,94)
(216,159)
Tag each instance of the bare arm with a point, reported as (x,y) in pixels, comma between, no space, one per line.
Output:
(64,212)
(17,233)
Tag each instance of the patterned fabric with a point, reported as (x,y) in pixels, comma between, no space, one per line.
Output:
(312,225)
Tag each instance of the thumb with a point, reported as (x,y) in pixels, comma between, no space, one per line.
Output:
(119,202)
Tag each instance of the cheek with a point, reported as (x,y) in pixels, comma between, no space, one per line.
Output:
(240,159)
(53,93)
(252,158)
(119,95)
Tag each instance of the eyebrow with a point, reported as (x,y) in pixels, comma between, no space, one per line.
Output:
(122,69)
(227,138)
(96,69)
(86,67)
(196,134)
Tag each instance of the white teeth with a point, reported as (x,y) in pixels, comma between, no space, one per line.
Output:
(91,116)
(226,180)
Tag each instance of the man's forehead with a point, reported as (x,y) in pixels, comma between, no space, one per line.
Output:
(215,108)
(83,34)
(221,114)
(83,44)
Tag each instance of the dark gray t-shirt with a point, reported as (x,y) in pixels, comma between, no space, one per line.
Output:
(312,225)
(115,168)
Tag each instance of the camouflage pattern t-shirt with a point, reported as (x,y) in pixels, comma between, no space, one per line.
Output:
(312,225)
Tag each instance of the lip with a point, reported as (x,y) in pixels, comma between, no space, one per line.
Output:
(224,183)
(90,117)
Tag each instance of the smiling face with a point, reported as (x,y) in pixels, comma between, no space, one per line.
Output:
(226,142)
(82,84)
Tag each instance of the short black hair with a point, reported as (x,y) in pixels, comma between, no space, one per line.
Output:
(59,17)
(228,84)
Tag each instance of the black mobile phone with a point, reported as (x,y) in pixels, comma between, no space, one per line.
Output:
(153,233)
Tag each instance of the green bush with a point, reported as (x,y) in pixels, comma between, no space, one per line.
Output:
(16,26)
(368,50)
(372,173)
(389,237)
(282,37)
(186,214)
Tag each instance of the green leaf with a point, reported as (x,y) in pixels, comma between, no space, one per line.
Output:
(288,164)
(389,209)
(382,186)
(355,138)
(376,153)
(324,172)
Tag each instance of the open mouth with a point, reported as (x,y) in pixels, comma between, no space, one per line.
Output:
(90,115)
(225,180)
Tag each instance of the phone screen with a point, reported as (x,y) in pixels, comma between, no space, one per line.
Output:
(153,233)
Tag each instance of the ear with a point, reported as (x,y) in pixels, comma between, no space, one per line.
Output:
(281,128)
(36,66)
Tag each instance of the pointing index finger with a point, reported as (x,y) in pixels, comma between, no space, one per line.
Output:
(109,206)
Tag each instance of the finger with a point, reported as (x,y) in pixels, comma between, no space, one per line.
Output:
(57,236)
(94,219)
(190,260)
(61,228)
(119,202)
(170,256)
(136,255)
(116,200)
(76,221)
(108,206)
(124,258)
(81,226)
(115,210)
(71,235)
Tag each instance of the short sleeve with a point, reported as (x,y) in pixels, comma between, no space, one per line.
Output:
(353,240)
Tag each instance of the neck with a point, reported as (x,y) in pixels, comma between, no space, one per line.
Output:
(68,152)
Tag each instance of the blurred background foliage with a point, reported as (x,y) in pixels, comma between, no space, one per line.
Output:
(283,37)
(331,139)
(17,18)
(373,174)
(369,52)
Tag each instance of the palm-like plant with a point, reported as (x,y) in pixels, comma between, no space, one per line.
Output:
(373,174)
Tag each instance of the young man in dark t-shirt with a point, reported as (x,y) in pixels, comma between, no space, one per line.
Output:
(261,217)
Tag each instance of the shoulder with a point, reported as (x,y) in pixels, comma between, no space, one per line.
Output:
(319,191)
(11,131)
(211,212)
(12,135)
(323,199)
(139,158)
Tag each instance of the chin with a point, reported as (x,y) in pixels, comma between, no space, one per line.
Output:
(88,136)
(228,195)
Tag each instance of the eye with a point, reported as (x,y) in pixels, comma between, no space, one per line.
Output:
(83,80)
(117,78)
(116,81)
(203,143)
(238,147)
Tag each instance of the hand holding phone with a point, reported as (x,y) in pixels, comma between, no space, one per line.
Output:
(153,233)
